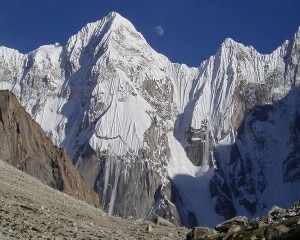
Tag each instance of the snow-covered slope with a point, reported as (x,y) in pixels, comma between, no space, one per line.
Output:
(146,132)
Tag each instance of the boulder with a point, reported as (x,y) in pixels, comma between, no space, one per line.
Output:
(232,230)
(294,210)
(276,214)
(148,228)
(201,232)
(241,221)
(258,222)
(272,232)
(162,222)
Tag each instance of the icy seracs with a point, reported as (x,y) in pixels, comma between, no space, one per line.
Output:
(218,140)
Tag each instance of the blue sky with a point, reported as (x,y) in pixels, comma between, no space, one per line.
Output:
(191,30)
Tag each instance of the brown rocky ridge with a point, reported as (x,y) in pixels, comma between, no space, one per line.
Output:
(24,145)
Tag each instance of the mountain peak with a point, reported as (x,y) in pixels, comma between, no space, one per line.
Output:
(228,46)
(229,42)
(117,20)
(112,22)
(114,15)
(113,34)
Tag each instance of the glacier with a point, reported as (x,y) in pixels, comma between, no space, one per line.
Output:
(209,142)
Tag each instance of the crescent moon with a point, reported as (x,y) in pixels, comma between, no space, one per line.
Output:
(159,30)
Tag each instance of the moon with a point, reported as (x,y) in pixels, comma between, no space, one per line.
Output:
(159,31)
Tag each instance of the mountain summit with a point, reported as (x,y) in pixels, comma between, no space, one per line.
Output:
(193,145)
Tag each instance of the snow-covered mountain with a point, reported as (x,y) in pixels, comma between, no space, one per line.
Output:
(214,141)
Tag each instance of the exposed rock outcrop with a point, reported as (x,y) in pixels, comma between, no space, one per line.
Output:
(236,221)
(200,233)
(283,224)
(24,145)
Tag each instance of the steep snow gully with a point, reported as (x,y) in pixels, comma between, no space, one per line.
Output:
(194,145)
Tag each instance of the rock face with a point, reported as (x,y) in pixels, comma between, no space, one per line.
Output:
(24,145)
(216,141)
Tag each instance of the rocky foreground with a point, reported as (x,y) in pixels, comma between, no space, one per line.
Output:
(32,210)
(278,224)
